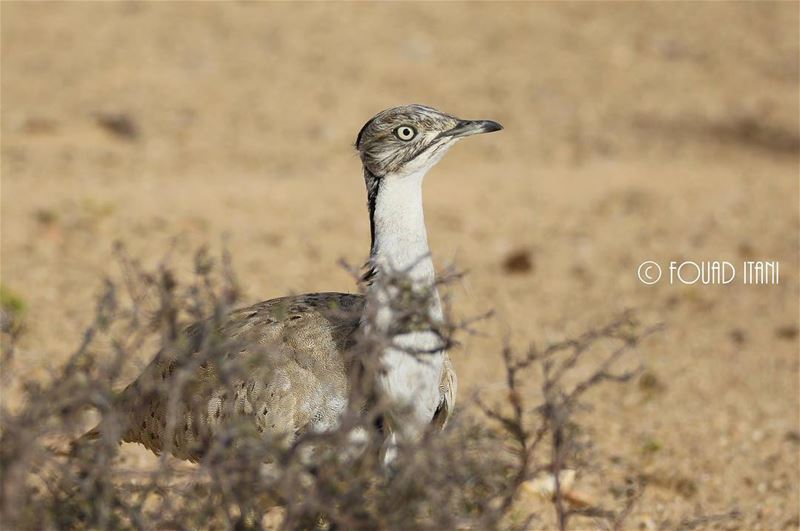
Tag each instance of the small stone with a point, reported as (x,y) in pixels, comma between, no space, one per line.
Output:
(120,125)
(787,332)
(686,487)
(738,336)
(519,261)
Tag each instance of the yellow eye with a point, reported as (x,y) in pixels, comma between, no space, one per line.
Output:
(405,132)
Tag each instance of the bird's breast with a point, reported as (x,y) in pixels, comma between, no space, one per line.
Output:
(412,371)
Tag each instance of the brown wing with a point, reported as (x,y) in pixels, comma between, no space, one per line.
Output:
(293,352)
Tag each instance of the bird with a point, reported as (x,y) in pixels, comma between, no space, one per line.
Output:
(298,349)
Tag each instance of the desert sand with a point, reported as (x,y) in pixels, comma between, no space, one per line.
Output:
(633,132)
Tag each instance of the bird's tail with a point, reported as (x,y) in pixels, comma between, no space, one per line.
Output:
(91,435)
(87,440)
(74,446)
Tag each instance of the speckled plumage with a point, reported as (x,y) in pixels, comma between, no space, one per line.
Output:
(298,350)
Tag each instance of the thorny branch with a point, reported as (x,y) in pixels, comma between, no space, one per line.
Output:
(454,479)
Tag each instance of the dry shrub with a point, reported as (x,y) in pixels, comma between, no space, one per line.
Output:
(468,476)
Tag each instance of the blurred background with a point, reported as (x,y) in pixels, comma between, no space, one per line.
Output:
(632,132)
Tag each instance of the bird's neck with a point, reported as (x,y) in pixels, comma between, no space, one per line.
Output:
(412,362)
(397,223)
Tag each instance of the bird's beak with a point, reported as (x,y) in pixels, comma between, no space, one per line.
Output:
(471,127)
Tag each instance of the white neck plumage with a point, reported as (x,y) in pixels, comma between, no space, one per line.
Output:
(412,365)
(400,241)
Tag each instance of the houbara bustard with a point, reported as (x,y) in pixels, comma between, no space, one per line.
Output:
(303,375)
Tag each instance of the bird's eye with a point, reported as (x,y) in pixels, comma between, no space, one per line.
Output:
(405,132)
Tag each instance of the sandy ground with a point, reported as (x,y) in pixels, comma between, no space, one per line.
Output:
(633,132)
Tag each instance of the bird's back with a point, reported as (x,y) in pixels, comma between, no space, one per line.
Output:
(291,375)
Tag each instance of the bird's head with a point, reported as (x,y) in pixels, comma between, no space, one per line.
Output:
(412,138)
